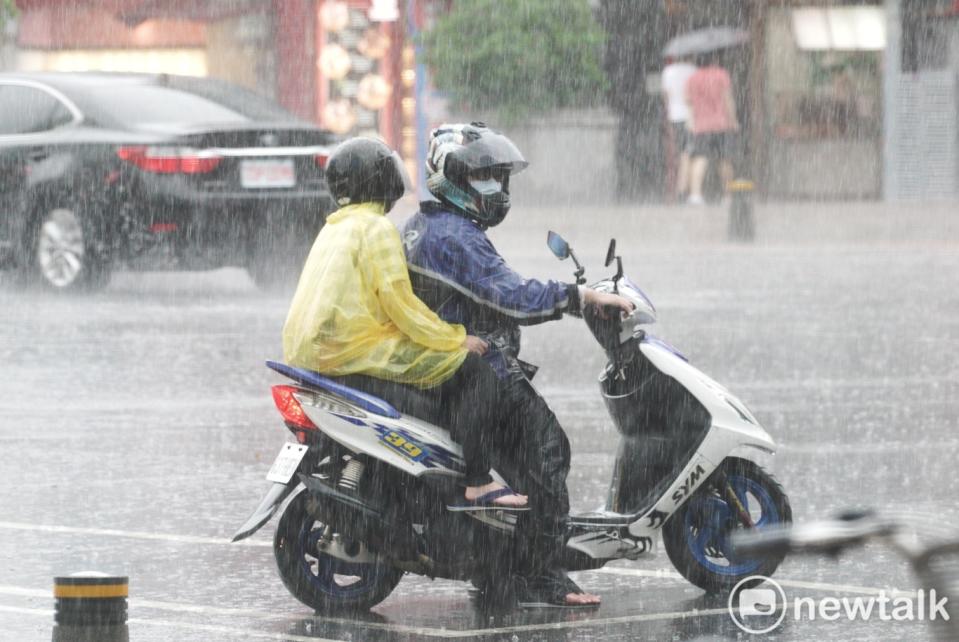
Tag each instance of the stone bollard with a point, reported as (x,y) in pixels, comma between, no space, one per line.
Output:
(741,224)
(90,607)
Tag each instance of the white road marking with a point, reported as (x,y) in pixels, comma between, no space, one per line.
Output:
(25,611)
(394,628)
(110,532)
(231,631)
(443,633)
(197,609)
(580,624)
(25,592)
(818,586)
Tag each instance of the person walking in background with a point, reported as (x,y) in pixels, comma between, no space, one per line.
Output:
(673,81)
(712,122)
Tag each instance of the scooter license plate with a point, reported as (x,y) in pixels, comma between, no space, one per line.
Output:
(286,463)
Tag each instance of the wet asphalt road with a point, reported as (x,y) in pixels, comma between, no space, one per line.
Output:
(136,425)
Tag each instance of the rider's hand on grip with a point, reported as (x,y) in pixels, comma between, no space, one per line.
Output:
(606,302)
(475,344)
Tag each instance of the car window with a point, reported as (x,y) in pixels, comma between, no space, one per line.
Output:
(144,105)
(25,110)
(240,99)
(60,115)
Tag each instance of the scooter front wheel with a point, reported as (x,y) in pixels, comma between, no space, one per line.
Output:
(697,536)
(324,581)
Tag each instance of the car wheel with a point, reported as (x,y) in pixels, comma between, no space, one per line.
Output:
(62,258)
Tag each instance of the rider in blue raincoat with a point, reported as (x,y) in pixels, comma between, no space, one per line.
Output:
(458,273)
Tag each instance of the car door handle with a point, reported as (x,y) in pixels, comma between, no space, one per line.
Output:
(37,154)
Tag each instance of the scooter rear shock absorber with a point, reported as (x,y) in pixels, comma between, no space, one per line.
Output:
(351,475)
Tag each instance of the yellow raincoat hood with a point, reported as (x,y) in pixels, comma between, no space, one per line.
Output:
(354,310)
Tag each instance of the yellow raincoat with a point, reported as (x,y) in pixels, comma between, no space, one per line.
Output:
(354,310)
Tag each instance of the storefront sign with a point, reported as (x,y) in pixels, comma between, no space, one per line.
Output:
(384,11)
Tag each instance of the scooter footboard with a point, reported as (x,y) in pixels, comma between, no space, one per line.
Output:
(592,547)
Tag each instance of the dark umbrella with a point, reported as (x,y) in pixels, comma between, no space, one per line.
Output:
(703,40)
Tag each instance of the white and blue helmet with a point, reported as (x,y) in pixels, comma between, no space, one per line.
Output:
(468,168)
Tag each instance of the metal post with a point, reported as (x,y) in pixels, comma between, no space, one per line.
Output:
(90,607)
(742,226)
(891,79)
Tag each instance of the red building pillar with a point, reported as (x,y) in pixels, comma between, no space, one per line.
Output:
(295,56)
(390,69)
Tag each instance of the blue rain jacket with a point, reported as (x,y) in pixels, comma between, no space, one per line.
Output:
(457,272)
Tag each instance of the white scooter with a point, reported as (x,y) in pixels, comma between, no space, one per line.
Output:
(371,483)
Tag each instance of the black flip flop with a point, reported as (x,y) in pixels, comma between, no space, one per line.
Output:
(485,502)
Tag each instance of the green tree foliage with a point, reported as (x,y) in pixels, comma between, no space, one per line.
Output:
(8,9)
(517,57)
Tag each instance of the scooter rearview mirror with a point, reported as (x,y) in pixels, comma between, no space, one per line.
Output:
(557,245)
(610,253)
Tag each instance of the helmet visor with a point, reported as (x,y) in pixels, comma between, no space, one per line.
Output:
(491,149)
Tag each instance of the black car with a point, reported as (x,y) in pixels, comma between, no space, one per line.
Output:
(153,172)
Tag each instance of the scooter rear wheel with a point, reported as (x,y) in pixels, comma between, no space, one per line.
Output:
(322,581)
(697,536)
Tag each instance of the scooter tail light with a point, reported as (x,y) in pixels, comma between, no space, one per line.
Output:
(290,408)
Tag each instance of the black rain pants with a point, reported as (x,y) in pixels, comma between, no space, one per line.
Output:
(536,461)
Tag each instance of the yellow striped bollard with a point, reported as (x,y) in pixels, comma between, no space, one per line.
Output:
(741,224)
(90,607)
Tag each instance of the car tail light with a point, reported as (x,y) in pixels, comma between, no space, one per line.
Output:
(194,163)
(170,160)
(321,159)
(290,408)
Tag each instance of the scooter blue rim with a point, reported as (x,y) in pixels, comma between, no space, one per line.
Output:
(716,533)
(328,567)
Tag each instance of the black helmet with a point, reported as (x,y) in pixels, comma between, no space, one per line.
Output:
(362,170)
(468,167)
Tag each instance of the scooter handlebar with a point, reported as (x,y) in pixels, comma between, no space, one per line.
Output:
(831,536)
(766,542)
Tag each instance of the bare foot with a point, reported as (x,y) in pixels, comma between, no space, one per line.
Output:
(582,598)
(512,501)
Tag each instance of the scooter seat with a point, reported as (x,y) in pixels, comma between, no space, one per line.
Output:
(362,399)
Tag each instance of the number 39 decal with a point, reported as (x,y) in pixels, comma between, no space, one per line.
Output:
(402,445)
